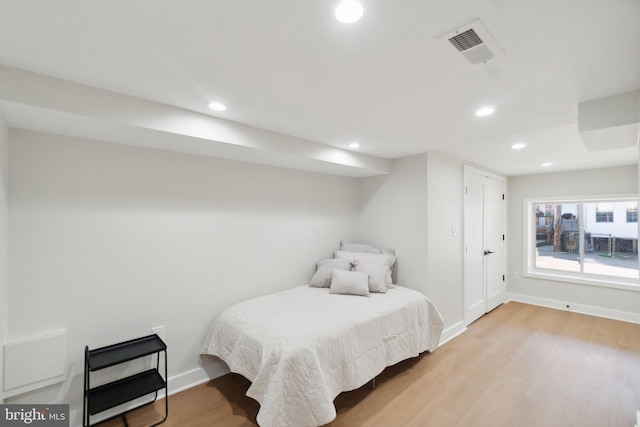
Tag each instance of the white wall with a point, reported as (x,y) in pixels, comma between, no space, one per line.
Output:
(595,299)
(109,241)
(393,214)
(445,268)
(4,166)
(412,210)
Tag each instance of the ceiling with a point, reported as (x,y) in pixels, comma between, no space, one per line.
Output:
(287,67)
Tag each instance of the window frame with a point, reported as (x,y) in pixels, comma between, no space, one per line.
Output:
(529,242)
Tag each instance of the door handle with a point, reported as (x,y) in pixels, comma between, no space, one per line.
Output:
(489,252)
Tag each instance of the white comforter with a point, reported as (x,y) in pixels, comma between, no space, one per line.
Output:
(302,347)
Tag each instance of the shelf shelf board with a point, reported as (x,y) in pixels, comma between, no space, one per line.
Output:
(123,352)
(118,392)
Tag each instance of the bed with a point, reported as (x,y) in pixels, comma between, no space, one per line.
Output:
(302,347)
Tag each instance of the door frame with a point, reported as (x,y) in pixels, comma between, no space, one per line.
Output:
(466,211)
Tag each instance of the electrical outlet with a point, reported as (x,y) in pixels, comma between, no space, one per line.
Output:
(159,331)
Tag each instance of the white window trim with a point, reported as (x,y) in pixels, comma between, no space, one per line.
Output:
(531,271)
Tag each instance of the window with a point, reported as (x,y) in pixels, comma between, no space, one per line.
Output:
(632,212)
(604,212)
(591,240)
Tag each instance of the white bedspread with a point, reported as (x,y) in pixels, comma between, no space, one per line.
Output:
(302,347)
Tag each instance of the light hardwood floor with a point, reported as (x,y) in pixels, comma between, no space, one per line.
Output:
(520,365)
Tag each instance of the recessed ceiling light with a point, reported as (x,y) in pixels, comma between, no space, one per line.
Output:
(354,145)
(217,106)
(518,146)
(545,165)
(349,11)
(485,111)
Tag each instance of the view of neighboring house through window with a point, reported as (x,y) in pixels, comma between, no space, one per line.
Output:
(593,240)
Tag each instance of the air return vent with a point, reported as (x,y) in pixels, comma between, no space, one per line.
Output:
(466,40)
(474,42)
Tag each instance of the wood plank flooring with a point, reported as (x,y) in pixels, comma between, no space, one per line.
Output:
(520,365)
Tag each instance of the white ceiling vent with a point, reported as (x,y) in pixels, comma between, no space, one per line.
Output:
(474,42)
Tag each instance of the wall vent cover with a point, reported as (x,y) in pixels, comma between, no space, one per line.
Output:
(474,42)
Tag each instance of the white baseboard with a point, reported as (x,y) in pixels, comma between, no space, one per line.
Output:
(451,332)
(624,316)
(215,368)
(211,370)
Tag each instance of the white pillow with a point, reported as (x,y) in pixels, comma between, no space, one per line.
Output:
(387,259)
(377,273)
(349,282)
(363,247)
(322,276)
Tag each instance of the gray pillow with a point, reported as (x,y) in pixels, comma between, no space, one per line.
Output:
(349,282)
(377,272)
(322,276)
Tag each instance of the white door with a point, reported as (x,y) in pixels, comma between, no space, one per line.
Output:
(484,285)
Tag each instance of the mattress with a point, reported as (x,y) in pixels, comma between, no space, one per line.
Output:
(302,347)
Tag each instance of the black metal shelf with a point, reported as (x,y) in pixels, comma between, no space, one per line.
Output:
(111,355)
(112,394)
(118,392)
